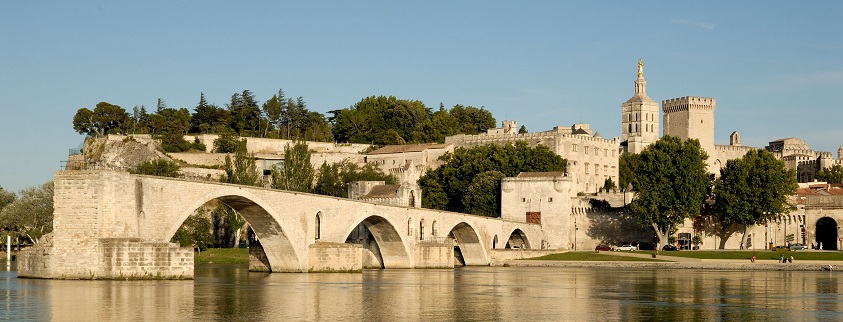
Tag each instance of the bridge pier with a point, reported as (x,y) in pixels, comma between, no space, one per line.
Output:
(107,258)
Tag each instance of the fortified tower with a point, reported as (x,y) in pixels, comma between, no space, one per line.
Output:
(639,117)
(691,117)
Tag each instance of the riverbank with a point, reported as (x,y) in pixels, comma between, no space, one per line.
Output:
(718,265)
(763,263)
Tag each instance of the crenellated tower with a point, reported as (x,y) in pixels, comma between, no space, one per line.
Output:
(639,117)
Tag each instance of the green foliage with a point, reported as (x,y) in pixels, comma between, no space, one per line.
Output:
(29,216)
(225,143)
(198,145)
(672,184)
(754,189)
(379,120)
(333,179)
(6,198)
(209,118)
(833,174)
(609,185)
(522,130)
(245,114)
(446,186)
(483,196)
(297,173)
(104,119)
(627,165)
(242,170)
(159,167)
(195,232)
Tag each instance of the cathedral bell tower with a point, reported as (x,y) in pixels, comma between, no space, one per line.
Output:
(639,117)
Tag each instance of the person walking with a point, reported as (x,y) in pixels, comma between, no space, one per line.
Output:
(781,258)
(790,260)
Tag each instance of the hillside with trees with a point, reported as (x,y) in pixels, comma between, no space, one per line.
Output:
(378,120)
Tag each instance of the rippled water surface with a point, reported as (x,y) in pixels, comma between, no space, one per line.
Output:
(231,293)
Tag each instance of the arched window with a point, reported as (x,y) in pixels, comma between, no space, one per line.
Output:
(410,226)
(318,225)
(495,242)
(421,229)
(433,228)
(412,201)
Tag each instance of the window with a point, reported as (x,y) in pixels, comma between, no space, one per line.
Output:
(421,229)
(586,150)
(596,151)
(574,148)
(523,199)
(586,168)
(433,228)
(410,226)
(318,225)
(605,152)
(549,199)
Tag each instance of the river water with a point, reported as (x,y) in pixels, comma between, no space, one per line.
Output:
(232,293)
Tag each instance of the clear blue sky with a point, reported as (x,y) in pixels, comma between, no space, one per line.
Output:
(775,67)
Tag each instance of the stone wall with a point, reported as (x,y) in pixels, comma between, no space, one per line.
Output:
(335,257)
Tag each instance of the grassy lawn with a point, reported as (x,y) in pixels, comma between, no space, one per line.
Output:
(223,256)
(592,256)
(760,254)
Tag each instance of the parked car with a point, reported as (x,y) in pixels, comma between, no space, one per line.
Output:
(603,247)
(781,249)
(628,247)
(798,246)
(670,247)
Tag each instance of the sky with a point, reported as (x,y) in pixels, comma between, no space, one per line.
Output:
(775,67)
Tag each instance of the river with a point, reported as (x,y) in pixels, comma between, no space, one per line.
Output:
(231,293)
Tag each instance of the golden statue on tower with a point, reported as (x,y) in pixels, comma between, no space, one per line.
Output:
(640,67)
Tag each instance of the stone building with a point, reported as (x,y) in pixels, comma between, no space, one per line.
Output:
(591,158)
(639,117)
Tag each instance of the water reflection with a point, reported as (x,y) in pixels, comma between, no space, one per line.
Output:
(230,292)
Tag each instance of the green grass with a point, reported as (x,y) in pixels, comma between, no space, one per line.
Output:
(223,256)
(589,256)
(759,254)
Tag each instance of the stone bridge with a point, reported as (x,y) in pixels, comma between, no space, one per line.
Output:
(112,224)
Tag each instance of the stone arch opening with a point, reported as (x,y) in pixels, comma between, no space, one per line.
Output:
(270,249)
(468,250)
(318,228)
(382,242)
(412,201)
(495,242)
(826,234)
(517,239)
(421,229)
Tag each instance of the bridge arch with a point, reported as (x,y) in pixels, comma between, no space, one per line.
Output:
(468,245)
(391,248)
(274,235)
(517,239)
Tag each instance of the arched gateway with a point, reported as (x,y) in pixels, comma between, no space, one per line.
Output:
(827,233)
(112,224)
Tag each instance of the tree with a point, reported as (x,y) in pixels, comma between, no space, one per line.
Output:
(627,165)
(483,196)
(333,179)
(446,186)
(209,118)
(245,113)
(369,120)
(6,198)
(754,189)
(833,174)
(672,184)
(195,232)
(522,130)
(225,143)
(104,119)
(297,173)
(242,170)
(31,215)
(159,167)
